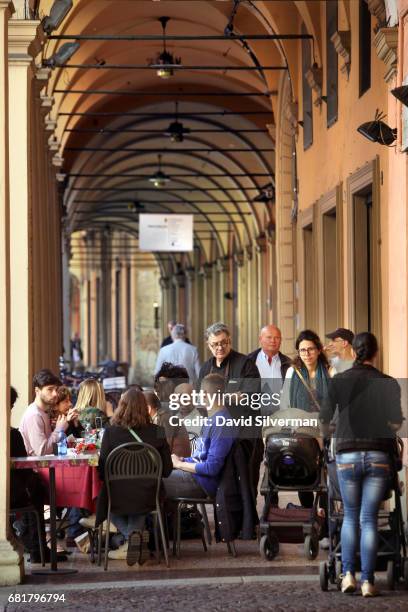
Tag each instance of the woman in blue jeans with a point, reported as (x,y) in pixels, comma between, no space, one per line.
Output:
(369,404)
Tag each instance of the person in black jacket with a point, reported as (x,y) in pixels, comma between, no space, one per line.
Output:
(369,414)
(271,363)
(242,378)
(131,505)
(26,489)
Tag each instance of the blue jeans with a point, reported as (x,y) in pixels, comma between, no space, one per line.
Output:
(364,478)
(74,527)
(128,524)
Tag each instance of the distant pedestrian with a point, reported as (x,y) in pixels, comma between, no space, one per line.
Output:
(180,353)
(168,339)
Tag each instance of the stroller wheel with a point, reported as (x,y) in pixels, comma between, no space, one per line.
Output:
(391,575)
(269,546)
(324,576)
(311,547)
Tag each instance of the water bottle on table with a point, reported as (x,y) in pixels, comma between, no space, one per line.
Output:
(62,444)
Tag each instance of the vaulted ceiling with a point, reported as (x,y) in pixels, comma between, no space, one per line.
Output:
(113,111)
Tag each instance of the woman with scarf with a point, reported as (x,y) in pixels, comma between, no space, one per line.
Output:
(306,383)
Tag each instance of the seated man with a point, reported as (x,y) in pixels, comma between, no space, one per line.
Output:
(26,489)
(188,413)
(199,475)
(39,439)
(35,426)
(176,434)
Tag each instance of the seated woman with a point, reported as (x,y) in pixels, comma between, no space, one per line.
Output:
(91,404)
(64,406)
(199,475)
(176,433)
(75,428)
(133,503)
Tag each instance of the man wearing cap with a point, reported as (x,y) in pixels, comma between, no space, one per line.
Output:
(340,350)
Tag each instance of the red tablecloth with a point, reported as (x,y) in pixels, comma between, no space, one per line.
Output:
(75,487)
(77,483)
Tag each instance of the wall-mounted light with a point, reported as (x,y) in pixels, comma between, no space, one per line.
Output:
(401,93)
(156,315)
(377,130)
(266,194)
(61,57)
(58,12)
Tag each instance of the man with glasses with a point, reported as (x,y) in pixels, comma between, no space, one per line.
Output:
(237,369)
(339,350)
(242,378)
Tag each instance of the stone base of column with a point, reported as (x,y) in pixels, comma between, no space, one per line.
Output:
(11,563)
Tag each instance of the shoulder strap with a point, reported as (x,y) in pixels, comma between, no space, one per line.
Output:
(310,392)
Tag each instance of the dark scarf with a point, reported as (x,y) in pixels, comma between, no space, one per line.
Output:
(300,397)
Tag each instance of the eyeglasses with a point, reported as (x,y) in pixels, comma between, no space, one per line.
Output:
(221,344)
(307,351)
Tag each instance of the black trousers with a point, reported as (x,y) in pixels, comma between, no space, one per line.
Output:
(27,490)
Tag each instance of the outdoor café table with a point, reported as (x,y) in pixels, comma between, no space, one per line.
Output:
(72,480)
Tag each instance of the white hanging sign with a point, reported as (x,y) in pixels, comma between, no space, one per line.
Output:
(165,232)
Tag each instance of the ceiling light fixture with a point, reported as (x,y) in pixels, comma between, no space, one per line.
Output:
(165,60)
(61,57)
(176,129)
(159,178)
(135,206)
(377,130)
(401,93)
(58,12)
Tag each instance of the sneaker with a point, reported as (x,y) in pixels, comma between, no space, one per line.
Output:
(348,583)
(89,523)
(368,589)
(324,544)
(120,553)
(138,550)
(144,548)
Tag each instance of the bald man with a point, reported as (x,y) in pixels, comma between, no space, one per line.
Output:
(271,363)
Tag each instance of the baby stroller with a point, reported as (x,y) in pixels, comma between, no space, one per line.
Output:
(391,556)
(293,462)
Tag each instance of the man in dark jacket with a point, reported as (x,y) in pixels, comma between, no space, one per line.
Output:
(271,363)
(242,378)
(272,366)
(239,372)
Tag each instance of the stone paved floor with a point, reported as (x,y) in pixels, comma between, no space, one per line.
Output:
(200,582)
(258,596)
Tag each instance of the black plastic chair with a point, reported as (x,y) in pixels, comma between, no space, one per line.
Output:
(133,462)
(33,510)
